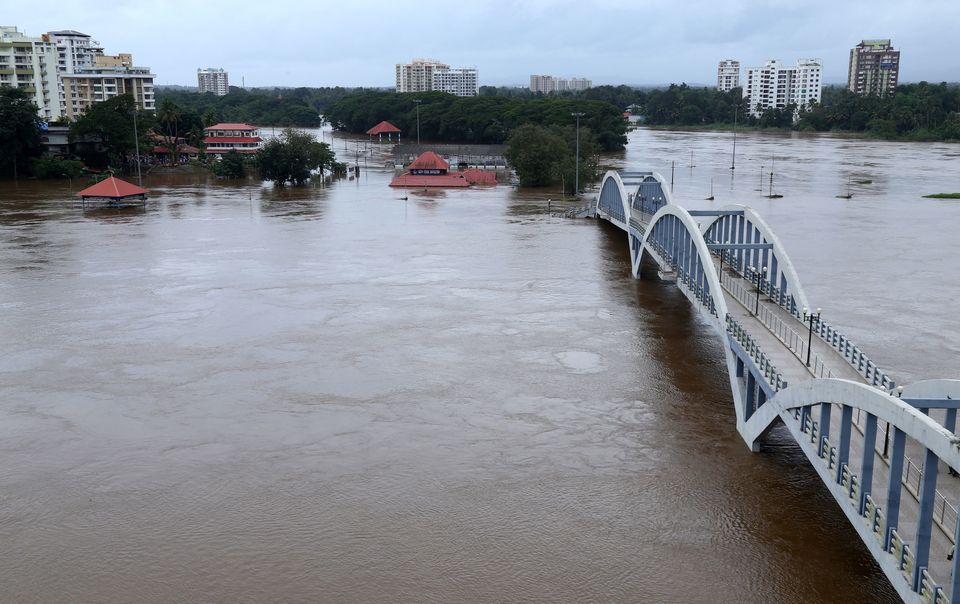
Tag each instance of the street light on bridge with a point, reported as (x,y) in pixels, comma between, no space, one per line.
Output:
(886,433)
(810,318)
(759,274)
(576,185)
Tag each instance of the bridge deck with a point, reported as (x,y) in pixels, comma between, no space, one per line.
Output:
(785,343)
(783,339)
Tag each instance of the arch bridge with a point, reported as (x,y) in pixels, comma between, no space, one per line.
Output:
(888,453)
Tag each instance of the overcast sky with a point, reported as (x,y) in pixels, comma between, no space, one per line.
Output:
(358,42)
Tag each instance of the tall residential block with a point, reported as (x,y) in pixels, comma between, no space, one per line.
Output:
(728,75)
(422,75)
(461,81)
(213,80)
(417,76)
(547,84)
(31,65)
(874,68)
(776,85)
(110,76)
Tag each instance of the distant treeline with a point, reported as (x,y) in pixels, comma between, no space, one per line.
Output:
(480,119)
(920,111)
(299,107)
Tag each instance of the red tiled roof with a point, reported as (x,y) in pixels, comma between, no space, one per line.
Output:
(230,126)
(480,177)
(417,181)
(112,188)
(429,160)
(383,127)
(232,139)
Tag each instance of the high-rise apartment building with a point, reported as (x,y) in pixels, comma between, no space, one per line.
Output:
(461,81)
(776,85)
(417,76)
(547,84)
(66,71)
(213,80)
(110,76)
(728,75)
(31,65)
(874,68)
(422,75)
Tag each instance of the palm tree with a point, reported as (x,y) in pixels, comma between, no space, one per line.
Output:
(169,115)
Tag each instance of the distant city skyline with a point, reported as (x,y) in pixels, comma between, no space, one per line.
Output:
(287,43)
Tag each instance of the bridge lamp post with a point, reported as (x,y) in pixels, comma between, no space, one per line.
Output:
(576,185)
(886,434)
(756,309)
(810,318)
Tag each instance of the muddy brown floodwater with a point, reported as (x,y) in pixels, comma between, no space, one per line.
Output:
(241,394)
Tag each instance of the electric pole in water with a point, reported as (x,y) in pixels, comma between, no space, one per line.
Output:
(576,185)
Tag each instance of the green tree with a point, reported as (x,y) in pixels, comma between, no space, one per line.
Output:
(105,133)
(231,166)
(292,156)
(545,156)
(535,154)
(19,135)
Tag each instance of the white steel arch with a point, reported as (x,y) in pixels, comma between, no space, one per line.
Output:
(785,266)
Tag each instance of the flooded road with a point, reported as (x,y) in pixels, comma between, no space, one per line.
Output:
(249,394)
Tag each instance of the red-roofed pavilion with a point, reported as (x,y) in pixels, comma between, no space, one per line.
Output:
(429,163)
(113,189)
(382,128)
(431,170)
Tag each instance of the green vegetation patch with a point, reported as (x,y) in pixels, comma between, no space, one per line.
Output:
(476,120)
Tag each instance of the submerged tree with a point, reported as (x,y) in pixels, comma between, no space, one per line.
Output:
(546,156)
(231,166)
(292,157)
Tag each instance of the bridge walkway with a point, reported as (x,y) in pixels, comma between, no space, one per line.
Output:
(784,340)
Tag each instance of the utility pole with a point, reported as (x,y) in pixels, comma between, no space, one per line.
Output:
(733,160)
(136,143)
(576,186)
(418,101)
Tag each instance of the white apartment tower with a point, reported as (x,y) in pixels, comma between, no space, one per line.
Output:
(31,64)
(728,75)
(213,80)
(66,71)
(547,84)
(87,75)
(460,82)
(417,76)
(776,85)
(422,75)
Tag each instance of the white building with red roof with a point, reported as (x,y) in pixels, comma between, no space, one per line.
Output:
(224,137)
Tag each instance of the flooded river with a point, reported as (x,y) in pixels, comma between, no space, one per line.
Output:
(242,394)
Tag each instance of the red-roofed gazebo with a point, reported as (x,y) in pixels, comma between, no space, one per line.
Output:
(113,189)
(382,128)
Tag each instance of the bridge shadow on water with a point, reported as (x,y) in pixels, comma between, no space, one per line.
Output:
(769,507)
